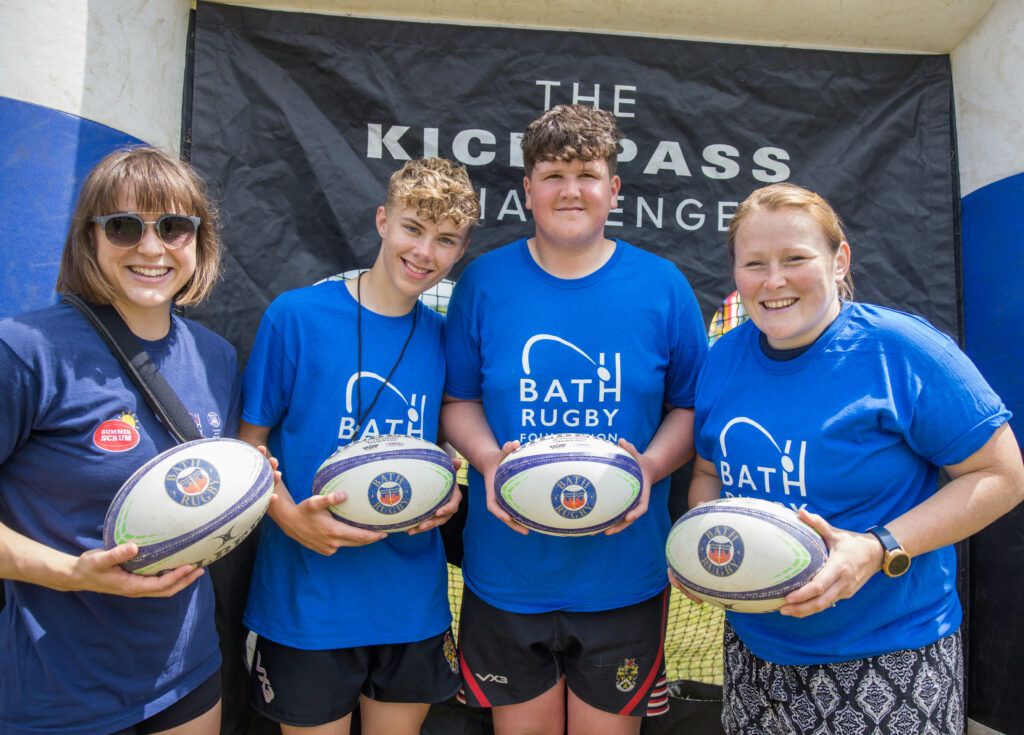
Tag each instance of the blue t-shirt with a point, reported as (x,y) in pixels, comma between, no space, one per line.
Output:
(74,428)
(600,355)
(854,429)
(302,380)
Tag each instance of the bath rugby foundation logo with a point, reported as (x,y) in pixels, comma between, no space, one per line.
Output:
(389,493)
(573,496)
(449,653)
(118,434)
(192,482)
(721,551)
(626,675)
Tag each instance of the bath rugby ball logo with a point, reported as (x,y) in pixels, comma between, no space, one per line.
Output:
(573,496)
(389,493)
(192,482)
(720,551)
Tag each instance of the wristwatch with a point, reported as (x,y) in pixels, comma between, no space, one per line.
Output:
(895,561)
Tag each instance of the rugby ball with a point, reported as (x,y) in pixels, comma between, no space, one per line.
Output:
(189,505)
(744,554)
(392,482)
(568,484)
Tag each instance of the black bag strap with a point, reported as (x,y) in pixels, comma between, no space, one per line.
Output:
(133,357)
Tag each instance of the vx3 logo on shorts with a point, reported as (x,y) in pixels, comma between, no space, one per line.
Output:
(763,467)
(492,678)
(411,410)
(261,674)
(581,394)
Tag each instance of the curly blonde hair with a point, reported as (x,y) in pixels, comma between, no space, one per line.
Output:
(438,189)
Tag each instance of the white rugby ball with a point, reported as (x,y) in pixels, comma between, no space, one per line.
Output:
(744,554)
(392,482)
(189,505)
(568,484)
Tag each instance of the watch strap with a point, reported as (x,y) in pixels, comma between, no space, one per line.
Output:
(889,542)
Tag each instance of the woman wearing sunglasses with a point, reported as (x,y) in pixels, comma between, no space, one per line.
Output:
(88,647)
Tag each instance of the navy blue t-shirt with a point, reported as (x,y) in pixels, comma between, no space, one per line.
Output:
(74,428)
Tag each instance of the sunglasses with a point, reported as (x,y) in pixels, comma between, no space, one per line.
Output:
(124,230)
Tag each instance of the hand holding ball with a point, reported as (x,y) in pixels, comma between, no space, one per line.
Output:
(744,554)
(191,504)
(568,484)
(392,482)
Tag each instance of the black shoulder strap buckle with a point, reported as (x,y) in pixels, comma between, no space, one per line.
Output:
(133,357)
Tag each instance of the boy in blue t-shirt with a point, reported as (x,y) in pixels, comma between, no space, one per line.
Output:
(340,616)
(569,331)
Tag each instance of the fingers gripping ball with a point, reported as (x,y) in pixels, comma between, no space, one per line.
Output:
(392,482)
(189,505)
(744,554)
(568,484)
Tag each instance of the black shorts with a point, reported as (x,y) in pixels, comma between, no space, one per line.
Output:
(613,659)
(304,688)
(197,702)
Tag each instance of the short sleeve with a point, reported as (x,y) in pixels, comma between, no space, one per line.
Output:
(955,411)
(688,345)
(269,376)
(462,342)
(19,399)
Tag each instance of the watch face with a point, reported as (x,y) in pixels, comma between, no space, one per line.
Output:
(898,564)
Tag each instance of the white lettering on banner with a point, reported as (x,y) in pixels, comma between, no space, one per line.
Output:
(641,211)
(430,140)
(722,164)
(718,161)
(473,147)
(618,210)
(696,219)
(619,98)
(773,169)
(461,147)
(668,156)
(377,141)
(512,206)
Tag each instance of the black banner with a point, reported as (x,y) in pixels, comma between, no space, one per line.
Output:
(298,120)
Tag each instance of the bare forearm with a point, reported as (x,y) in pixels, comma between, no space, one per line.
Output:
(704,484)
(465,426)
(25,560)
(672,444)
(984,487)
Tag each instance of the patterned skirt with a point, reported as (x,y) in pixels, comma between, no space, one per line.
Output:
(910,692)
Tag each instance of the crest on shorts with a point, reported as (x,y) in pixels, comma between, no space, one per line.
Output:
(626,675)
(449,652)
(192,482)
(720,550)
(389,493)
(573,496)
